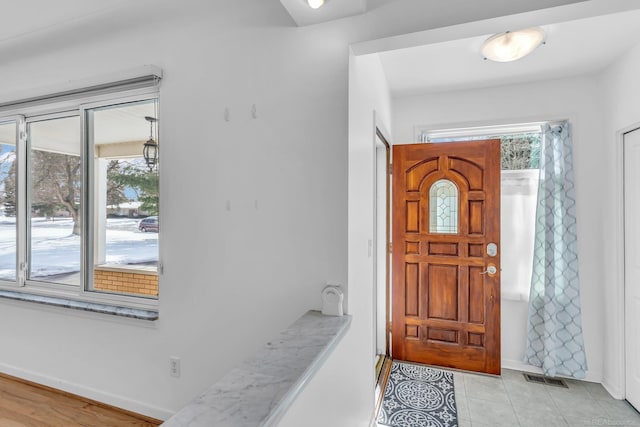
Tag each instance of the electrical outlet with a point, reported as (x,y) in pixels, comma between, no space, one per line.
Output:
(174,366)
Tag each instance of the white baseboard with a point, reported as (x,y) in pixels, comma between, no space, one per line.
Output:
(516,365)
(88,392)
(614,390)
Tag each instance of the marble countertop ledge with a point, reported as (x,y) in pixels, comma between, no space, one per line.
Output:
(133,313)
(259,391)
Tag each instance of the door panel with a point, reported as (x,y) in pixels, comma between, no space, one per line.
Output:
(445,307)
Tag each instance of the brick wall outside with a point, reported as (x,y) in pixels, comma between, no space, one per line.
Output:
(125,280)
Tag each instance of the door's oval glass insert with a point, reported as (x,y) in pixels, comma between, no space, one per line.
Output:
(443,207)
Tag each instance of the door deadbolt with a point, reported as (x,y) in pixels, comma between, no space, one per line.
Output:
(492,249)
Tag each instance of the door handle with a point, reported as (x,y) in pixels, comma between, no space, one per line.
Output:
(491,270)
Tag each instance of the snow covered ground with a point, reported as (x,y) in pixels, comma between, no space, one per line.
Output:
(55,251)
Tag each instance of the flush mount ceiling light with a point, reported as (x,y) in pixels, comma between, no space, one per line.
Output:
(512,45)
(315,4)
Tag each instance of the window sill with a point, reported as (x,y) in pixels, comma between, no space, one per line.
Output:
(133,313)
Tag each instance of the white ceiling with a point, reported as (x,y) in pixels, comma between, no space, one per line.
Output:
(26,17)
(66,12)
(572,48)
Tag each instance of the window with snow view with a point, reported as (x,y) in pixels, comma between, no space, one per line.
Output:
(125,200)
(54,196)
(8,201)
(79,196)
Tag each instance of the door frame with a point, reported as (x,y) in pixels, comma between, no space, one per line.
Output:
(380,250)
(499,124)
(619,315)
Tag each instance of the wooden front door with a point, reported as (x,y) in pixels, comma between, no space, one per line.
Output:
(446,258)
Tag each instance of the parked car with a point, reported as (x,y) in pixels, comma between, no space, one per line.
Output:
(149,223)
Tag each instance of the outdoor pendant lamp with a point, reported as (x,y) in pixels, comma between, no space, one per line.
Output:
(150,150)
(512,45)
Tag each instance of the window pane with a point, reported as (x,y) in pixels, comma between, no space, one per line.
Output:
(54,193)
(443,207)
(517,151)
(8,201)
(125,206)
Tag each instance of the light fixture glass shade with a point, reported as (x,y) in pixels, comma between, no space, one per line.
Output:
(150,149)
(512,45)
(315,4)
(150,153)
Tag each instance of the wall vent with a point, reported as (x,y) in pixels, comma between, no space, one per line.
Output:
(541,379)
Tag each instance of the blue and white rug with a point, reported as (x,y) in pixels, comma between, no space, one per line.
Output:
(418,396)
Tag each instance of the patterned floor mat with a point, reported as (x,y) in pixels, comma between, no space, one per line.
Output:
(418,396)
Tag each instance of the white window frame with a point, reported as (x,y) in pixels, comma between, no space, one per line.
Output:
(57,107)
(23,200)
(89,219)
(426,134)
(20,139)
(526,180)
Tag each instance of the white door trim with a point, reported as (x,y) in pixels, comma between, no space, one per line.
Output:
(617,386)
(380,239)
(631,208)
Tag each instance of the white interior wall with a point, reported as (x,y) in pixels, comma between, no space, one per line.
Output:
(575,99)
(620,88)
(247,273)
(232,279)
(368,93)
(231,284)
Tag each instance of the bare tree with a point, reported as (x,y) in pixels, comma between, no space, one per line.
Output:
(56,184)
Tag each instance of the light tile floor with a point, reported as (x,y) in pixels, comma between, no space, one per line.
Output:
(512,401)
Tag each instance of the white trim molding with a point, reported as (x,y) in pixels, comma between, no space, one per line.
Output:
(87,392)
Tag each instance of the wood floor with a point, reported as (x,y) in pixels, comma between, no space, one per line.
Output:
(24,404)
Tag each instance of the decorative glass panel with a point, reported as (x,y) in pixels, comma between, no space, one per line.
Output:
(443,207)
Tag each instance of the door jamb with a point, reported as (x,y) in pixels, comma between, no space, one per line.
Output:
(387,251)
(620,315)
(381,133)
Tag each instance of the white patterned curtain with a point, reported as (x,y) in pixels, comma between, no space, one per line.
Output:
(554,338)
